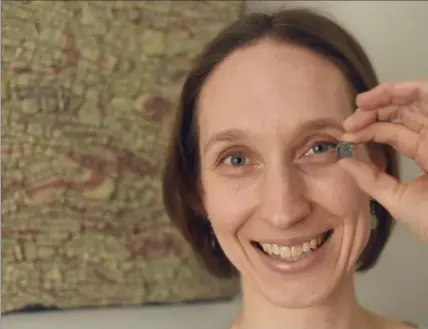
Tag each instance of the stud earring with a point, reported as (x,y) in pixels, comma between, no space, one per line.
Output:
(213,239)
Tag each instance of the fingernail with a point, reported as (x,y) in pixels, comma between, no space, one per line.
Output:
(347,164)
(348,123)
(348,137)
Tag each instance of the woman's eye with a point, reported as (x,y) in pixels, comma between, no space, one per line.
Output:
(321,147)
(235,160)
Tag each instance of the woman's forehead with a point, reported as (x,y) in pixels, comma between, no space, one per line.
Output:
(271,77)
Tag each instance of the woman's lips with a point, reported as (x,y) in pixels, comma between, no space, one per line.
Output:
(293,249)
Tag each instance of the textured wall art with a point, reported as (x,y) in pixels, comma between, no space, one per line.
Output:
(88,88)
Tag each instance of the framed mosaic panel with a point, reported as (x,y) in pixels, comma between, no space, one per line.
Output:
(88,88)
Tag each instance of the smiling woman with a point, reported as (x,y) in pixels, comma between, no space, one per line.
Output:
(252,176)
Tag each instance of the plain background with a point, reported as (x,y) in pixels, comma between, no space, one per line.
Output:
(395,36)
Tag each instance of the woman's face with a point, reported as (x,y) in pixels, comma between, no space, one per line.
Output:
(286,215)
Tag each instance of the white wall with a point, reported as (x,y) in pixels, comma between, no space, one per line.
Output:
(395,35)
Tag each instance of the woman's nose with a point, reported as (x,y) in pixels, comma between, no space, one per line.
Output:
(283,199)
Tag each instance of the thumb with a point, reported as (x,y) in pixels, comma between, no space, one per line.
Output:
(380,186)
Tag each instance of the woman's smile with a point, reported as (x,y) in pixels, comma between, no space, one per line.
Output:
(292,258)
(294,249)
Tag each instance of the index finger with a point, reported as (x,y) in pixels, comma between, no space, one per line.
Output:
(401,93)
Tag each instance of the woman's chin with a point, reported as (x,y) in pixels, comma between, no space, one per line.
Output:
(301,295)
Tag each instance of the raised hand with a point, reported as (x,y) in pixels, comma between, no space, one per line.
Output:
(394,114)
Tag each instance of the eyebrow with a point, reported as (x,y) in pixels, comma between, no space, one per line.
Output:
(232,135)
(228,135)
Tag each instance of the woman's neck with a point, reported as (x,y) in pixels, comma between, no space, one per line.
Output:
(340,311)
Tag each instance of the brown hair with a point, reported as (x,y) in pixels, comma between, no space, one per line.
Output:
(181,183)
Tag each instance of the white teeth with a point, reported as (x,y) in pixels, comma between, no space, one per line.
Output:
(296,251)
(313,243)
(306,247)
(285,252)
(292,253)
(275,249)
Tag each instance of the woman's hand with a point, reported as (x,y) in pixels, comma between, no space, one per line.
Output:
(394,114)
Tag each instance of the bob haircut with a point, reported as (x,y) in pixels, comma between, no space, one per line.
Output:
(182,190)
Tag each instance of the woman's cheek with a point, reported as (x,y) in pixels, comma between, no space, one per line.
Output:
(335,190)
(337,193)
(227,201)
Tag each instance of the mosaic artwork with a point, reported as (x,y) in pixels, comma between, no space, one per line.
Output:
(88,89)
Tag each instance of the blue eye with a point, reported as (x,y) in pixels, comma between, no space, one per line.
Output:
(322,147)
(235,160)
